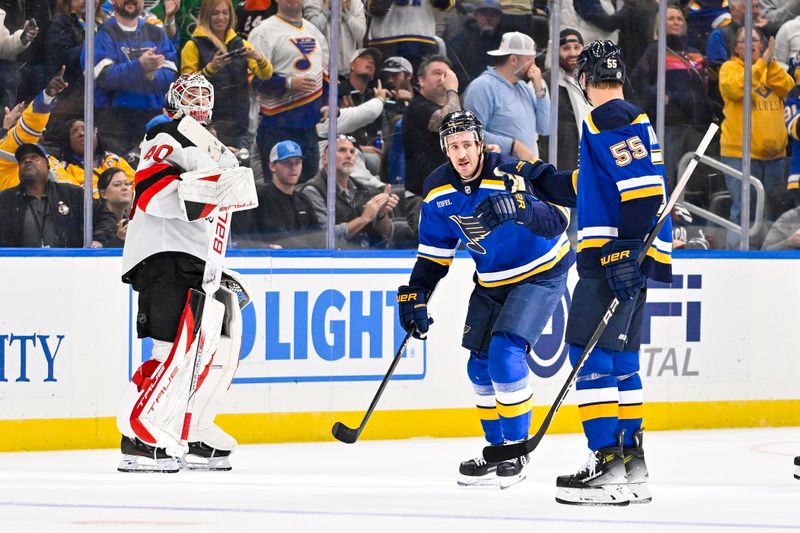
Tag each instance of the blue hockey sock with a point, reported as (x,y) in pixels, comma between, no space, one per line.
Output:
(597,396)
(509,371)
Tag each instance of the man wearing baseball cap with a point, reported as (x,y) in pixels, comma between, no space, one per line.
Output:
(511,98)
(282,214)
(40,213)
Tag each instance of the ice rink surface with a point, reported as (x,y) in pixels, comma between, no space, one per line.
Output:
(721,480)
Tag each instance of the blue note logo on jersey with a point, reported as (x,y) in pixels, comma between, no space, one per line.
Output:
(306,46)
(473,230)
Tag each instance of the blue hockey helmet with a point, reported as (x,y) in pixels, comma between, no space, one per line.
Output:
(601,61)
(459,121)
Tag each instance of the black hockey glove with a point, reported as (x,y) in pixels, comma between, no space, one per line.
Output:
(514,175)
(501,207)
(413,309)
(619,258)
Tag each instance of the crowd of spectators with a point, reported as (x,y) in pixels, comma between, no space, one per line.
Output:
(403,65)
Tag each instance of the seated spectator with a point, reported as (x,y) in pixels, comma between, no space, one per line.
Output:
(362,213)
(511,99)
(228,61)
(436,98)
(116,192)
(134,65)
(687,111)
(70,168)
(283,216)
(27,129)
(63,44)
(352,26)
(785,232)
(787,41)
(406,29)
(357,87)
(705,16)
(12,45)
(468,50)
(771,84)
(41,213)
(572,105)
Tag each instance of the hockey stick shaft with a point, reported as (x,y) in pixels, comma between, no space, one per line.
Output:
(348,435)
(505,452)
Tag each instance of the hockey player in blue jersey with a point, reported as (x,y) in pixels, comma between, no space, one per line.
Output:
(619,189)
(792,116)
(521,269)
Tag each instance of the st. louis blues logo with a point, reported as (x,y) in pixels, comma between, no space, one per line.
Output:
(306,46)
(473,230)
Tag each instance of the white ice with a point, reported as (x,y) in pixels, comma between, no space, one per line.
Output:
(721,480)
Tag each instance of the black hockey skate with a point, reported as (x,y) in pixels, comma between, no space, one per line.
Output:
(636,470)
(510,472)
(138,456)
(602,481)
(797,470)
(477,473)
(201,456)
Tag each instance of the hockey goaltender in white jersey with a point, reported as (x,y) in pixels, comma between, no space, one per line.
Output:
(187,185)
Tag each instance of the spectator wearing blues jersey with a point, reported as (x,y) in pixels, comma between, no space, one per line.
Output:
(134,64)
(292,99)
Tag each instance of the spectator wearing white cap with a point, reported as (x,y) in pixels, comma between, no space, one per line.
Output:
(469,48)
(352,26)
(283,215)
(511,99)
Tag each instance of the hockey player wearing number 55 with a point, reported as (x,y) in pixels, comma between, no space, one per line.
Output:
(168,250)
(521,270)
(619,189)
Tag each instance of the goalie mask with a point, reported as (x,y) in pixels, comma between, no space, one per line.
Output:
(193,95)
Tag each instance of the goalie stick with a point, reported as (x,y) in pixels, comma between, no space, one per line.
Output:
(504,452)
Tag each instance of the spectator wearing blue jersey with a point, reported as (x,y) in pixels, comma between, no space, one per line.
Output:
(134,64)
(511,99)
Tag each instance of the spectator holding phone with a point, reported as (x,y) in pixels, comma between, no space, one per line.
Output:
(229,62)
(116,192)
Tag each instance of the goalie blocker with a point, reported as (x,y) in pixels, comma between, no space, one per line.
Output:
(154,409)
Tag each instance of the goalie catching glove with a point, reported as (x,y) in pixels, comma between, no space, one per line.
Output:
(515,175)
(502,207)
(413,309)
(619,258)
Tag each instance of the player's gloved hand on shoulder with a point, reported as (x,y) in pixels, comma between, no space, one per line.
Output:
(501,207)
(619,259)
(514,175)
(413,308)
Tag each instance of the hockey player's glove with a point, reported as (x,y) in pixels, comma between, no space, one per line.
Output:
(413,308)
(514,175)
(501,207)
(624,275)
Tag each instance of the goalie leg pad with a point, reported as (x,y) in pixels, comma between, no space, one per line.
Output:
(156,402)
(203,430)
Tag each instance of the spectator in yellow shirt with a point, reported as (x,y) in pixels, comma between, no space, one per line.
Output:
(70,168)
(769,137)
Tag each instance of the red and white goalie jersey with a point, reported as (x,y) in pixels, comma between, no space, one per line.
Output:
(157,222)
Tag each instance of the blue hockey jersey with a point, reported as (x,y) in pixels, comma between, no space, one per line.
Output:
(619,188)
(509,254)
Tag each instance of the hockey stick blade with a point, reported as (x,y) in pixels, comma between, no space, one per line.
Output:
(345,434)
(504,452)
(349,436)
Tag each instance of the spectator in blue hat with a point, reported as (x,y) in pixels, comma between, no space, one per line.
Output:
(283,217)
(40,213)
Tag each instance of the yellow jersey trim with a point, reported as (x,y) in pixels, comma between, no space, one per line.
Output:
(440,260)
(644,192)
(538,270)
(438,191)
